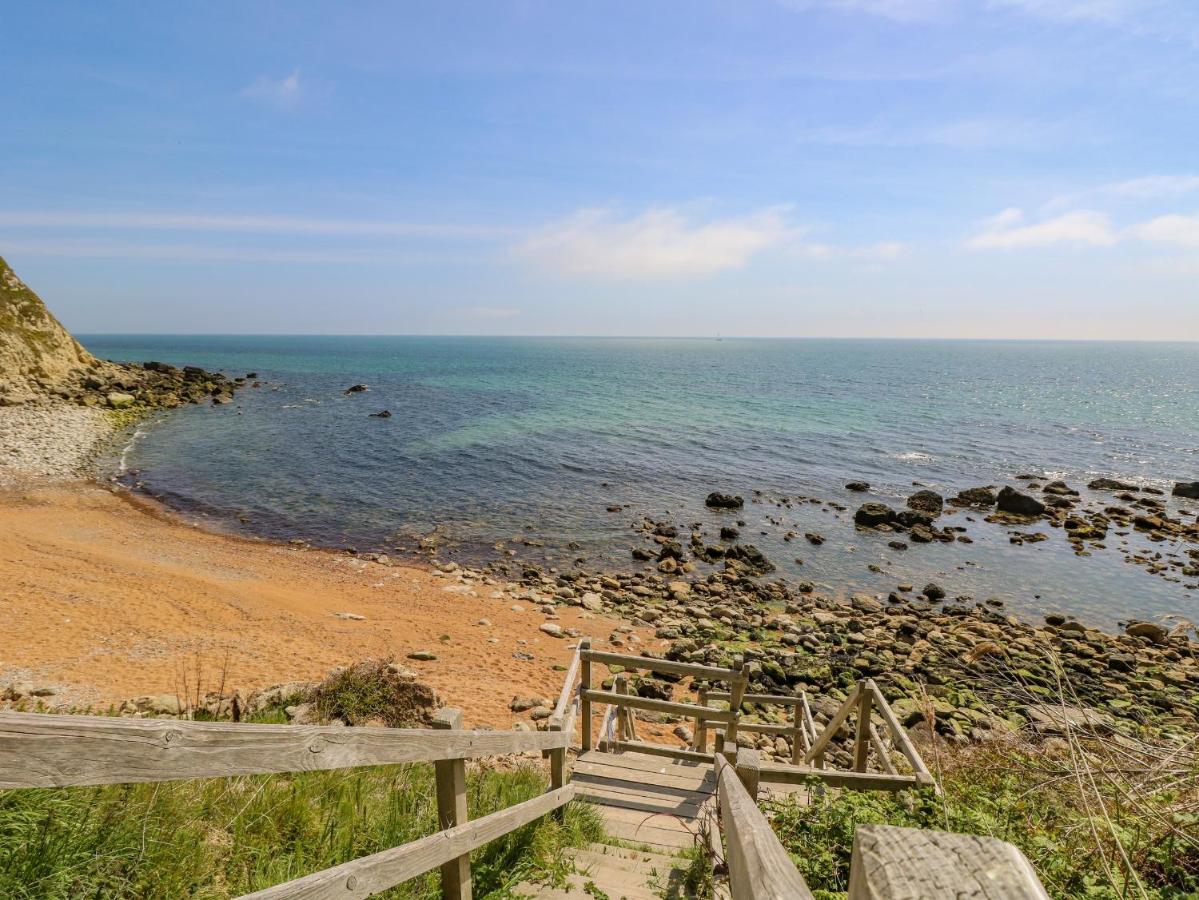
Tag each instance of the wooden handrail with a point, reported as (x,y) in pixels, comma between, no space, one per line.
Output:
(759,866)
(900,737)
(61,750)
(780,773)
(653,664)
(371,874)
(662,706)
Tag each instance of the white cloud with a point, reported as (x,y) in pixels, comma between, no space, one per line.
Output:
(1109,11)
(1155,186)
(1175,230)
(658,244)
(1008,230)
(283,93)
(898,10)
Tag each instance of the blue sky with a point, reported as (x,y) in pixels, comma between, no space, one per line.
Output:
(940,168)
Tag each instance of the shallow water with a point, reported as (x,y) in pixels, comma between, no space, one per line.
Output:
(497,439)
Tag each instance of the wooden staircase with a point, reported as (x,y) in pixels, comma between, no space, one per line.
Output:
(653,810)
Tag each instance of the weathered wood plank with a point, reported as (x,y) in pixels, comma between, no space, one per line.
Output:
(900,736)
(632,760)
(451,810)
(643,803)
(776,773)
(652,664)
(661,706)
(59,751)
(568,682)
(736,691)
(379,871)
(748,765)
(685,780)
(834,725)
(884,755)
(861,744)
(659,750)
(666,793)
(766,699)
(584,686)
(891,863)
(758,864)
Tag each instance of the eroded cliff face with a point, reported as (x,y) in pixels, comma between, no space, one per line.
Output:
(40,361)
(38,357)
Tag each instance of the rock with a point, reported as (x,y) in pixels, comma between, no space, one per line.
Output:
(1055,718)
(717,500)
(683,733)
(522,704)
(552,629)
(750,557)
(1188,489)
(865,603)
(120,400)
(652,689)
(592,602)
(423,655)
(352,617)
(859,486)
(356,389)
(1018,504)
(982,497)
(927,502)
(1111,484)
(729,533)
(1060,488)
(382,414)
(1150,630)
(814,539)
(159,705)
(871,515)
(679,588)
(934,591)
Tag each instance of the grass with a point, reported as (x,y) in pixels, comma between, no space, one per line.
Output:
(1097,819)
(218,838)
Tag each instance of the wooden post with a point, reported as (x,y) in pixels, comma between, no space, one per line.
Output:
(861,744)
(699,740)
(891,863)
(736,692)
(584,687)
(748,771)
(451,810)
(624,729)
(557,765)
(797,732)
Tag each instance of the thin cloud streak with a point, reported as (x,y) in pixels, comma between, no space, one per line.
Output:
(251,224)
(1008,230)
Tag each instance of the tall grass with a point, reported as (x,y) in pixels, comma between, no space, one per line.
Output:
(220,838)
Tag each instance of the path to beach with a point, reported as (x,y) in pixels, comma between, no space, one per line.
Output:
(105,597)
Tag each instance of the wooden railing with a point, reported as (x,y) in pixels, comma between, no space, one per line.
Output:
(888,863)
(58,751)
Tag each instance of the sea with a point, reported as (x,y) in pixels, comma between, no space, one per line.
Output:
(549,451)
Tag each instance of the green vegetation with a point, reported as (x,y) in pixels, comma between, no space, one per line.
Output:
(373,691)
(225,837)
(1096,819)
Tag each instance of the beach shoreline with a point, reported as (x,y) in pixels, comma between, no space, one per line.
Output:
(112,597)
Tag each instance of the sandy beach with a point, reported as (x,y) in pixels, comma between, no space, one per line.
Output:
(107,597)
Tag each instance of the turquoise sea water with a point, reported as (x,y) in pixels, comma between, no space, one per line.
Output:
(504,439)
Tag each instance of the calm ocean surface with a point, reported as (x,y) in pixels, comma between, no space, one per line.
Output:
(504,439)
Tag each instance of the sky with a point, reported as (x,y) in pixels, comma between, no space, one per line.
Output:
(873,168)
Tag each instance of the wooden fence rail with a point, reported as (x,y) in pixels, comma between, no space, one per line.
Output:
(59,751)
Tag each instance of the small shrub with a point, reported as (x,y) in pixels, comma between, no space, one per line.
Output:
(374,690)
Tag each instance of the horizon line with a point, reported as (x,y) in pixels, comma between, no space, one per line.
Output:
(638,337)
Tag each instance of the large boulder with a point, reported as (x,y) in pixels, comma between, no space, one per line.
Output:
(983,497)
(871,515)
(1188,489)
(927,502)
(1012,501)
(717,500)
(1111,484)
